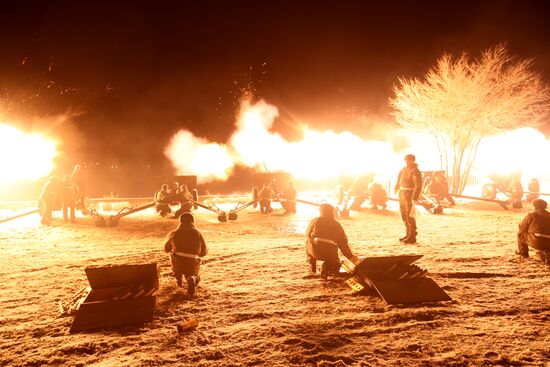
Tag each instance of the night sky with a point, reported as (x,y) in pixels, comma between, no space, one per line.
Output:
(130,74)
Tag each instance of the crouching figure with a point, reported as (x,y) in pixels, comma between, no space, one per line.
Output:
(325,236)
(534,232)
(186,247)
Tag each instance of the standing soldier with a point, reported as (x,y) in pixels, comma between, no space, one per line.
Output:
(409,186)
(69,197)
(49,197)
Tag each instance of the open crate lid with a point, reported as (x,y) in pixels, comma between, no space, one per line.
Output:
(384,262)
(121,275)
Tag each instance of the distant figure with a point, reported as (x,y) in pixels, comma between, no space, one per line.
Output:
(442,180)
(185,198)
(434,189)
(162,199)
(340,193)
(264,197)
(325,236)
(186,247)
(359,193)
(534,189)
(534,232)
(378,196)
(515,191)
(489,190)
(409,186)
(289,195)
(49,198)
(69,197)
(173,192)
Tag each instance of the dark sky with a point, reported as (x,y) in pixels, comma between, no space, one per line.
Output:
(134,72)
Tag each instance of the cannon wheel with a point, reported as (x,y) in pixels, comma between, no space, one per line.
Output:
(232,216)
(255,197)
(195,198)
(222,217)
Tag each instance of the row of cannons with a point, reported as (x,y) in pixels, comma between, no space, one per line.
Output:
(181,195)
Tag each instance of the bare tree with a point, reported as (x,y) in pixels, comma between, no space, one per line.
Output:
(461,101)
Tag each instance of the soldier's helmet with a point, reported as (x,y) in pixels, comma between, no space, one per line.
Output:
(187,218)
(539,204)
(326,210)
(410,157)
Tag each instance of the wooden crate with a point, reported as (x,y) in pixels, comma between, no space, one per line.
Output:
(120,295)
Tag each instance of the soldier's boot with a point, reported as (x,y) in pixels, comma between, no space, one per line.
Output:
(191,285)
(410,239)
(405,236)
(544,257)
(312,265)
(324,271)
(179,281)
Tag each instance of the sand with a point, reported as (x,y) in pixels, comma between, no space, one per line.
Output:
(257,306)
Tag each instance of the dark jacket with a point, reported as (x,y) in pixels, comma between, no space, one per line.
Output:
(410,178)
(186,239)
(330,229)
(538,221)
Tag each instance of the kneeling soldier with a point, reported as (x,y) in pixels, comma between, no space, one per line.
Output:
(534,232)
(186,246)
(325,236)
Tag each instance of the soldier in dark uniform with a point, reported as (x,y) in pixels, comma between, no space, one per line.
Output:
(534,189)
(69,197)
(441,179)
(185,198)
(186,247)
(534,232)
(162,199)
(377,195)
(515,191)
(49,198)
(264,196)
(409,186)
(325,236)
(289,194)
(489,190)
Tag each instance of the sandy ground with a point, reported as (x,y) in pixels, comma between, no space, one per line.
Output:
(257,306)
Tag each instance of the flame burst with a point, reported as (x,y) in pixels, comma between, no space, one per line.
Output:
(24,156)
(328,154)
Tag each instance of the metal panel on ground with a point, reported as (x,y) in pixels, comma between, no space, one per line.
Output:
(403,291)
